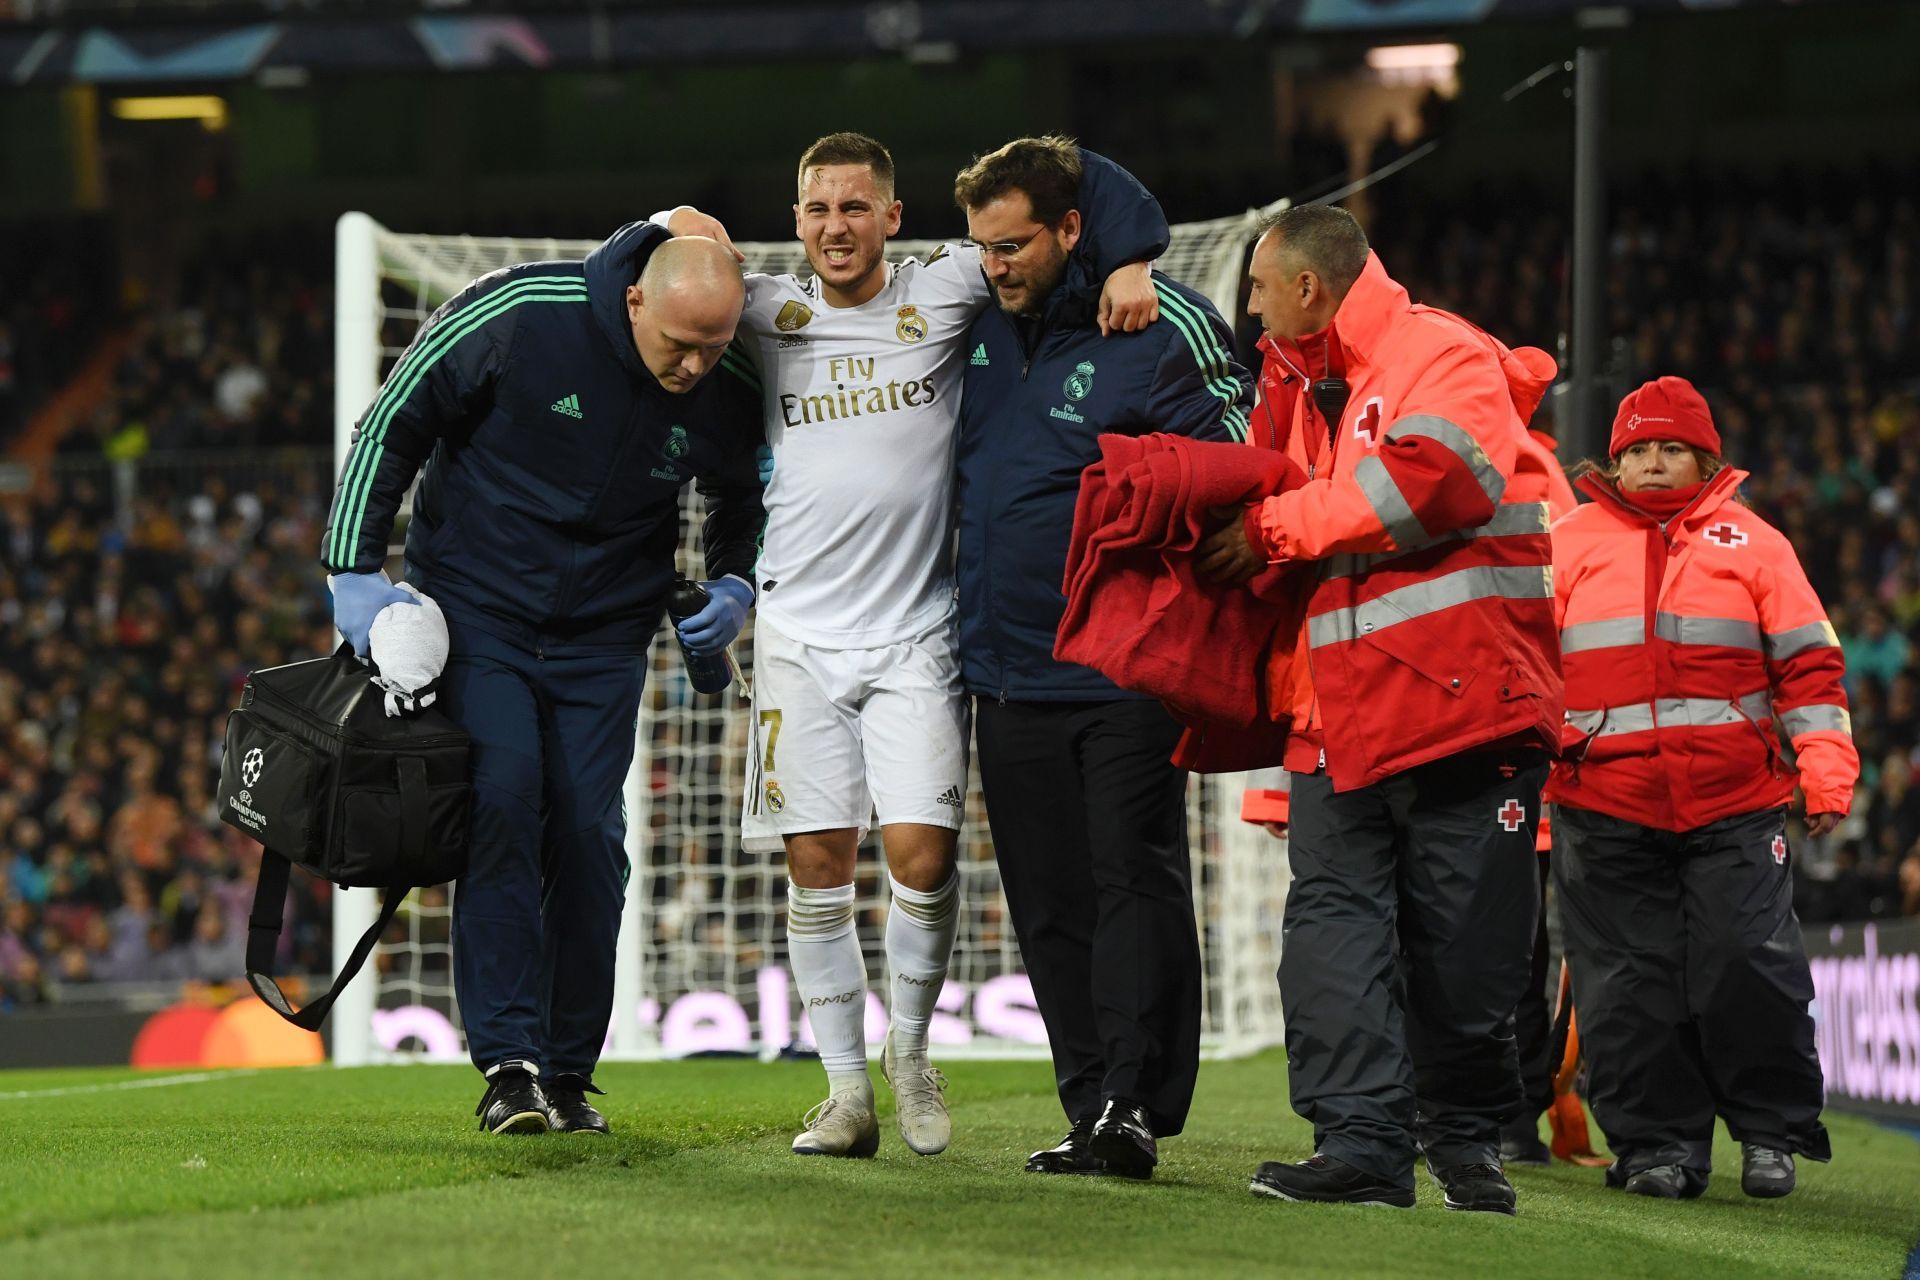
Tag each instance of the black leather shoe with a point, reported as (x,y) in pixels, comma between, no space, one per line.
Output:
(1124,1139)
(1325,1180)
(1071,1156)
(1666,1182)
(1475,1188)
(1766,1172)
(1520,1142)
(568,1110)
(512,1103)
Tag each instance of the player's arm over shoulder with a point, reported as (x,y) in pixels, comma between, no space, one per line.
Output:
(948,272)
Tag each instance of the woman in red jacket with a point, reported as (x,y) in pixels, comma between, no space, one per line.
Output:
(1689,632)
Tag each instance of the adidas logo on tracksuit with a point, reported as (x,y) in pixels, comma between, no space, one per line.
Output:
(979,360)
(569,405)
(951,797)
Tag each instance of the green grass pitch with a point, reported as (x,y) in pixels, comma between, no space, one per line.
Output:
(380,1173)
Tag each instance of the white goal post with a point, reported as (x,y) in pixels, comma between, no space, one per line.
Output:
(702,950)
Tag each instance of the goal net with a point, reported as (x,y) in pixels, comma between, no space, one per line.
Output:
(702,961)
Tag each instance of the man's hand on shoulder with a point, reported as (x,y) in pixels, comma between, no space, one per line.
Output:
(686,220)
(358,599)
(1128,301)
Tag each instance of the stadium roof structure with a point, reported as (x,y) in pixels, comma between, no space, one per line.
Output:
(204,41)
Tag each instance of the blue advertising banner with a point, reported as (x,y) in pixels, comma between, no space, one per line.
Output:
(191,50)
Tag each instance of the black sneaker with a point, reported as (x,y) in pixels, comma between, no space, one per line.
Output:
(1520,1143)
(1766,1172)
(513,1102)
(568,1110)
(1325,1180)
(1123,1138)
(1071,1155)
(1475,1188)
(1665,1182)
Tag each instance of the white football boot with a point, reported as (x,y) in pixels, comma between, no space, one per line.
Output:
(920,1109)
(843,1125)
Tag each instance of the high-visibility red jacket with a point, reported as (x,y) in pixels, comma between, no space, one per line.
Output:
(1431,629)
(1539,447)
(1682,652)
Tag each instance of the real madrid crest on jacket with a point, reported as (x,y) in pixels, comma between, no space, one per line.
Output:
(1020,457)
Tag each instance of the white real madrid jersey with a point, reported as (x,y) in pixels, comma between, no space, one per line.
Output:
(861,409)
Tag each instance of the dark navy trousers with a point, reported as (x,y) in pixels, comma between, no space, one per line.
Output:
(1409,930)
(536,916)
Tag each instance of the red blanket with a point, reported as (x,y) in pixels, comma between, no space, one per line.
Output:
(1137,613)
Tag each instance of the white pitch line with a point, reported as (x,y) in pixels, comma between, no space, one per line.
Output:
(156,1082)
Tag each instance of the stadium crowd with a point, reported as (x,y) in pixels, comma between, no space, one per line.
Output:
(130,614)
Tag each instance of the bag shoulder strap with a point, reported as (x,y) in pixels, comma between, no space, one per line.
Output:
(270,904)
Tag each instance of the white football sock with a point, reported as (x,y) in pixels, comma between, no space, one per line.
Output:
(920,930)
(832,980)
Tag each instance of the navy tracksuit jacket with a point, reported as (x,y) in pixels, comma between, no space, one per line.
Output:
(545,526)
(1088,816)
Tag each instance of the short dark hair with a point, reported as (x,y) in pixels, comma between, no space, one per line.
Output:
(850,148)
(1047,169)
(1326,237)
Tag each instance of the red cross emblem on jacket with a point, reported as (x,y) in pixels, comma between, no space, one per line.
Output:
(1366,427)
(1779,850)
(1511,815)
(1726,534)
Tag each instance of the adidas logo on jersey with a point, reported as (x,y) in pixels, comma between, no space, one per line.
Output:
(951,798)
(979,360)
(569,405)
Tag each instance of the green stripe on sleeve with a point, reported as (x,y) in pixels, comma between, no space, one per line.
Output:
(1208,355)
(737,365)
(357,481)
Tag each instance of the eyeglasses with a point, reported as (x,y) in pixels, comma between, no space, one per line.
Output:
(1003,249)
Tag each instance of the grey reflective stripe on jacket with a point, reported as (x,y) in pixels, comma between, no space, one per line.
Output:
(1391,507)
(1514,519)
(1606,633)
(1817,715)
(1512,582)
(1700,713)
(1460,443)
(1728,633)
(1782,645)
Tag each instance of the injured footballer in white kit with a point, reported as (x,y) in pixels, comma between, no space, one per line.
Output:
(858,711)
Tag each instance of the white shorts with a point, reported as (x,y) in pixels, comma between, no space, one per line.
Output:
(842,735)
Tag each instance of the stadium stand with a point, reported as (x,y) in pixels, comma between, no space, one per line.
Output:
(170,549)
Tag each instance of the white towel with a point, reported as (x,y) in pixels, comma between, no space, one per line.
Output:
(409,644)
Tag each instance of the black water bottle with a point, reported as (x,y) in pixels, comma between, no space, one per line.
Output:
(708,673)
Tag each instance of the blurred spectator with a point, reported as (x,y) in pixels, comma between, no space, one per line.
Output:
(123,644)
(127,627)
(1791,302)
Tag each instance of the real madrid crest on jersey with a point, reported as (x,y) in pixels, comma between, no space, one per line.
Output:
(1079,384)
(793,315)
(912,326)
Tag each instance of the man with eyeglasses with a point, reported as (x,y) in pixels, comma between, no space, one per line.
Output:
(857,704)
(1088,815)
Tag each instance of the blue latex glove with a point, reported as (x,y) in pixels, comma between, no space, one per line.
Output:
(358,599)
(764,456)
(714,627)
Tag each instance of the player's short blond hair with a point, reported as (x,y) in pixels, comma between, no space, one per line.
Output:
(850,148)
